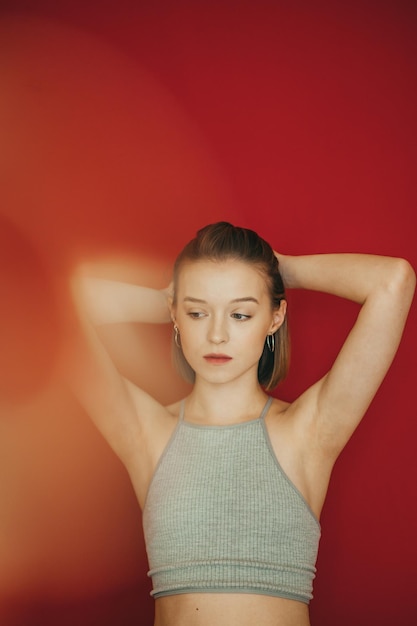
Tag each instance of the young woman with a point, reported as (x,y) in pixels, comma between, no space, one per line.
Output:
(230,480)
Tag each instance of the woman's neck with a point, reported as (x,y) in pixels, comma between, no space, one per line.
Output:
(207,402)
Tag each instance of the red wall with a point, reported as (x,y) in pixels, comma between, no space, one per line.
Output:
(125,127)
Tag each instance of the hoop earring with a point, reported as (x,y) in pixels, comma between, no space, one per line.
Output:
(177,336)
(270,342)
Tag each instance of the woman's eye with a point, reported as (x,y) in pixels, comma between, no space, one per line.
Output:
(195,314)
(240,316)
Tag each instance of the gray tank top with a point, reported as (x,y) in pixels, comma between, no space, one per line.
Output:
(222,516)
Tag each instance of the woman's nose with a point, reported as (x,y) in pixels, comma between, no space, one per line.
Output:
(218,331)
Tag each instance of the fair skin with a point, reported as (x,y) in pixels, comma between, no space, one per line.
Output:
(224,308)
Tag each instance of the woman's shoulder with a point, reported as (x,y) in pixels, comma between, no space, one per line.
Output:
(150,411)
(174,409)
(283,423)
(278,409)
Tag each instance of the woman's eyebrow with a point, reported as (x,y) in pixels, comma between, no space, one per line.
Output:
(190,299)
(200,301)
(245,299)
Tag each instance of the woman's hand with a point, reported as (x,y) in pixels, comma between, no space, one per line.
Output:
(283,270)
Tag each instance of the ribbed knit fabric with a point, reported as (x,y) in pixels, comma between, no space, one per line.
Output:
(222,516)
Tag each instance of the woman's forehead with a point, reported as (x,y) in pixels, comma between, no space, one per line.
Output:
(231,277)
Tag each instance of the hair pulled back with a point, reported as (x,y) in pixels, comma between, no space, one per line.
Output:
(223,241)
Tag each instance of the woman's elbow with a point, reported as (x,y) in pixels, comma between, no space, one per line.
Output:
(403,279)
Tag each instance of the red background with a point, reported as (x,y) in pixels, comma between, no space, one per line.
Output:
(127,125)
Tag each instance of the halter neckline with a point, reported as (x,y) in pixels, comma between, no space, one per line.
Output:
(195,424)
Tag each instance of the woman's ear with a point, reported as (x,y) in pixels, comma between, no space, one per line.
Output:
(278,316)
(172,309)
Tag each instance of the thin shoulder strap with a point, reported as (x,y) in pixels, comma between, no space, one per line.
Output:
(266,407)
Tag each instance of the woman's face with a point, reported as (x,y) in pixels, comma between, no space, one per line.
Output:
(223,312)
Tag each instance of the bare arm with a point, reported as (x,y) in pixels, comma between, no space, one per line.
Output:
(118,408)
(384,288)
(110,301)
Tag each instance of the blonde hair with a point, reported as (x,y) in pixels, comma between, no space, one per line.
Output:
(222,241)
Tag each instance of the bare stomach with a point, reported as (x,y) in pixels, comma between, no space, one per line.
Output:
(229,609)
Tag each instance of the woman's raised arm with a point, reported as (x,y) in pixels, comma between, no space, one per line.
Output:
(384,288)
(116,406)
(109,301)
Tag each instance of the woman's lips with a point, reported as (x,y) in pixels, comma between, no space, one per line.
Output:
(217,359)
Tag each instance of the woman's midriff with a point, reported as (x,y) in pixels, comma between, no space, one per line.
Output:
(229,609)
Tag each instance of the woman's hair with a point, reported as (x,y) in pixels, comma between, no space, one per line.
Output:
(223,241)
